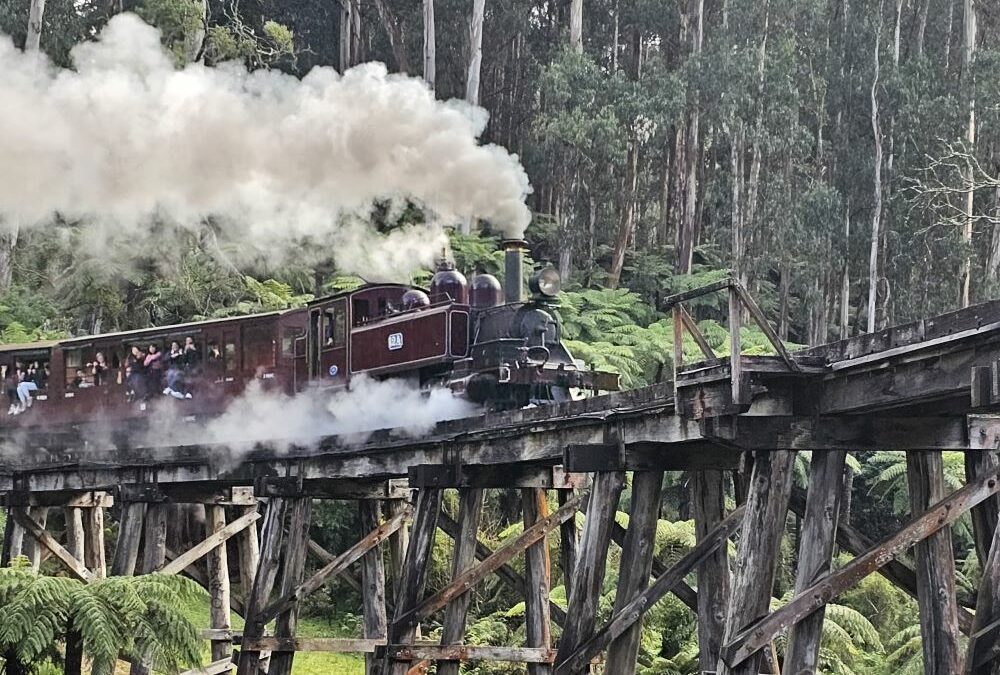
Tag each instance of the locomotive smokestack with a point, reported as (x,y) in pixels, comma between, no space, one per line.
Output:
(513,282)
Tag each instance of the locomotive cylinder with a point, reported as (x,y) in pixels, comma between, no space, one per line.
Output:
(513,285)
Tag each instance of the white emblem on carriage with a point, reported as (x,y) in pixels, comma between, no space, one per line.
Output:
(395,341)
(333,371)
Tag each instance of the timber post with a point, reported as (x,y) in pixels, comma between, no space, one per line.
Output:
(760,544)
(470,509)
(372,582)
(537,578)
(708,499)
(935,567)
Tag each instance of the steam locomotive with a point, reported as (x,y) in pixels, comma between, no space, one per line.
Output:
(490,344)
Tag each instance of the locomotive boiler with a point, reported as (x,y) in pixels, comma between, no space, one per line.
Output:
(498,346)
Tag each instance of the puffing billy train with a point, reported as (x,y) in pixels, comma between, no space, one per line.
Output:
(493,345)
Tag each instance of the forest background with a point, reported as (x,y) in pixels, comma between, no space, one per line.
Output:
(841,158)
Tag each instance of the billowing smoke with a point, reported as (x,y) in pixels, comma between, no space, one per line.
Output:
(282,422)
(127,144)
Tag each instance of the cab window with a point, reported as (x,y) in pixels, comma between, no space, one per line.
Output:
(334,327)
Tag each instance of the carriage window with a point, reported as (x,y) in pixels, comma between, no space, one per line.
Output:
(230,356)
(75,372)
(361,314)
(258,347)
(334,327)
(288,341)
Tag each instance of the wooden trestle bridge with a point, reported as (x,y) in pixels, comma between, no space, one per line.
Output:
(922,388)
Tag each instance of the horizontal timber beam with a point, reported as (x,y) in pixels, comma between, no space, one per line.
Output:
(289,644)
(471,653)
(67,498)
(861,432)
(650,456)
(944,513)
(494,476)
(186,493)
(342,488)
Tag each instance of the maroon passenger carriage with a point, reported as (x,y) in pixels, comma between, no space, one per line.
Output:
(491,345)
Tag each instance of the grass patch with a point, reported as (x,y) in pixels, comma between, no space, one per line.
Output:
(305,663)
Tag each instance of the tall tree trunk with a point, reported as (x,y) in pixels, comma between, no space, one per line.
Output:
(615,40)
(877,186)
(736,169)
(968,57)
(895,40)
(688,230)
(993,255)
(576,25)
(475,51)
(948,36)
(346,29)
(395,34)
(922,27)
(36,13)
(845,283)
(430,58)
(626,220)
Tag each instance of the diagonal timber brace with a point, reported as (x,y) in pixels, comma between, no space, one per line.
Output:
(219,538)
(467,580)
(633,611)
(944,513)
(35,529)
(337,565)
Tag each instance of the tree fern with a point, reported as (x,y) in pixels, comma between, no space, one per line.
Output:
(136,616)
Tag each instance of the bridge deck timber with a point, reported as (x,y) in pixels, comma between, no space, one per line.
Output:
(923,387)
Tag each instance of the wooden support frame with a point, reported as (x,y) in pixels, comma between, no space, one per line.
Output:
(494,476)
(508,574)
(640,541)
(218,579)
(372,582)
(708,504)
(538,579)
(629,614)
(585,588)
(213,541)
(941,514)
(292,570)
(263,583)
(403,628)
(456,653)
(470,509)
(129,536)
(334,567)
(650,456)
(757,556)
(816,543)
(43,538)
(94,556)
(475,574)
(935,567)
(861,432)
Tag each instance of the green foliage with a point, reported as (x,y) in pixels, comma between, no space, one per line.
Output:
(179,22)
(136,616)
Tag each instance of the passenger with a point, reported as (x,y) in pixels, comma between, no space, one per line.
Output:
(153,367)
(135,372)
(25,386)
(175,372)
(99,369)
(10,380)
(213,362)
(80,381)
(192,359)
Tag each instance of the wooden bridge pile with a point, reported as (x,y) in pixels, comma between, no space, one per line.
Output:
(922,388)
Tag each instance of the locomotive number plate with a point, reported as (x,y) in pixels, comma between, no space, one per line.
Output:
(395,341)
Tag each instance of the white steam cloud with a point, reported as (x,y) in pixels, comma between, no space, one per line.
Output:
(283,422)
(126,140)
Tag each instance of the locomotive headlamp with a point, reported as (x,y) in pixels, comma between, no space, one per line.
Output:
(545,282)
